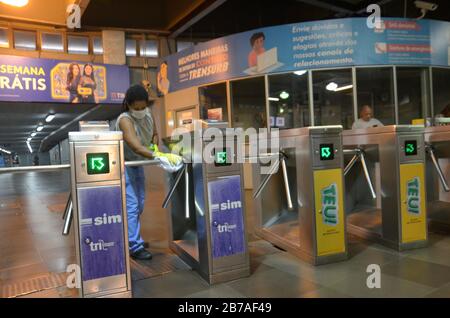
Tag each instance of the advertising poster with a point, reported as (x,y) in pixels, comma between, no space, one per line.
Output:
(101,232)
(227,220)
(311,45)
(42,80)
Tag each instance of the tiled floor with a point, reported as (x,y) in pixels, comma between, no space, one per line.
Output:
(31,244)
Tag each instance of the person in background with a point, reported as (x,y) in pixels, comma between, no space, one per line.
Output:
(366,119)
(73,80)
(139,133)
(88,85)
(257,44)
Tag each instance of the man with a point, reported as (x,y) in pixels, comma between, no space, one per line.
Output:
(366,119)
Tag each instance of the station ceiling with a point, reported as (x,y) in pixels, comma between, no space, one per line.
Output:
(207,19)
(19,120)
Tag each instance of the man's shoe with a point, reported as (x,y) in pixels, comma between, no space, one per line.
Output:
(142,255)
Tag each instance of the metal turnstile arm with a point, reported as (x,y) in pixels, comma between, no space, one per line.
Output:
(286,183)
(180,174)
(438,169)
(266,179)
(68,215)
(366,173)
(359,154)
(350,165)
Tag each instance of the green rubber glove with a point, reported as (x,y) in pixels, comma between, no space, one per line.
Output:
(172,158)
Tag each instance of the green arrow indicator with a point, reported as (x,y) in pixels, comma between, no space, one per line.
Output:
(326,153)
(410,148)
(97,164)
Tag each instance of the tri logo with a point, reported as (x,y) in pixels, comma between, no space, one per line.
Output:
(413,196)
(330,205)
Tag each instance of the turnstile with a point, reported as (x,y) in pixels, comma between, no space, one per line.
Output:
(437,141)
(386,200)
(99,212)
(300,207)
(207,219)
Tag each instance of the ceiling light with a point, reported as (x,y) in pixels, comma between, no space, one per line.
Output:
(300,73)
(332,86)
(281,110)
(15,3)
(39,128)
(49,118)
(29,147)
(33,134)
(274,99)
(284,95)
(343,88)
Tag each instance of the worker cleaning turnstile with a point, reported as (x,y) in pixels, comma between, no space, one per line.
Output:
(300,208)
(391,210)
(207,219)
(437,139)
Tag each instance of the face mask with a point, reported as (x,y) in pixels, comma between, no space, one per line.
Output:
(138,114)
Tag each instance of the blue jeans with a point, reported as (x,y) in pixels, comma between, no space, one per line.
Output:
(135,197)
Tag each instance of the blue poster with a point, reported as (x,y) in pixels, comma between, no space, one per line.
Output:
(101,232)
(25,79)
(310,45)
(227,220)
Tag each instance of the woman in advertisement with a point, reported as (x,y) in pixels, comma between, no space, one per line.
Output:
(73,80)
(88,85)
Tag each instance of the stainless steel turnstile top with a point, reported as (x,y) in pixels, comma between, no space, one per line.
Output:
(385,130)
(314,130)
(437,134)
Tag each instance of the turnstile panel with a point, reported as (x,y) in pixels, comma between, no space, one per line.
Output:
(329,210)
(413,205)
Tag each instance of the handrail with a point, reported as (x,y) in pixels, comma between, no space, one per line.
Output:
(34,168)
(48,168)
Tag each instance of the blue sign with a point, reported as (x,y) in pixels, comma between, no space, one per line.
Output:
(227,220)
(101,232)
(25,79)
(311,45)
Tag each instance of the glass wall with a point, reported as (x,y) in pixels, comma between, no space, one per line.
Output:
(333,98)
(213,102)
(441,92)
(248,103)
(288,100)
(413,93)
(375,87)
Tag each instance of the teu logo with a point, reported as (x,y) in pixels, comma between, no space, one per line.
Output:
(224,206)
(330,205)
(99,246)
(413,196)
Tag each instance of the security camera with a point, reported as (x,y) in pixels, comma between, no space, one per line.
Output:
(428,6)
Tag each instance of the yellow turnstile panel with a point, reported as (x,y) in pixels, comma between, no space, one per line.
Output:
(329,208)
(413,209)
